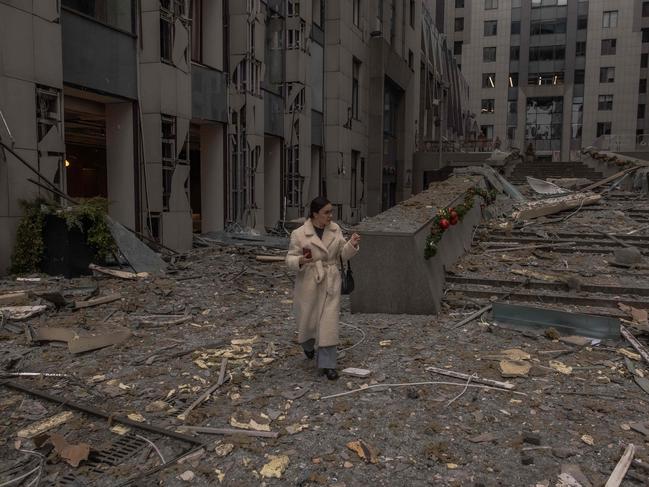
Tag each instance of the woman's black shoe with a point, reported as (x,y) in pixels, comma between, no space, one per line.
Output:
(330,373)
(309,353)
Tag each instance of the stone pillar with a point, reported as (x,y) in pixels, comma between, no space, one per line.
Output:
(212,183)
(120,163)
(272,181)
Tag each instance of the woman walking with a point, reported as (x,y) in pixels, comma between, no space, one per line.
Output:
(315,252)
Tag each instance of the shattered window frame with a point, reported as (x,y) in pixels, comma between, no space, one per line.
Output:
(168,141)
(605,102)
(167,34)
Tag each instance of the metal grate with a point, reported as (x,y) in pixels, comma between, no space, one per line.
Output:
(123,448)
(70,480)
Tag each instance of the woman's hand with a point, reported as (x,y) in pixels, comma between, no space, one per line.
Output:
(304,260)
(355,239)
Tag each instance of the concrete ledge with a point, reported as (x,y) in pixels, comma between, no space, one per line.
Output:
(390,271)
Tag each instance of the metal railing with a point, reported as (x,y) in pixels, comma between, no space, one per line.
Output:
(622,142)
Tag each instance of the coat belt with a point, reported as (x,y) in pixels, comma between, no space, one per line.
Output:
(328,272)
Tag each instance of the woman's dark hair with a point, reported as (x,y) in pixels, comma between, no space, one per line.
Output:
(318,204)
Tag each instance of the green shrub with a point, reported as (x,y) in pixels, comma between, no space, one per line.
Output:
(89,217)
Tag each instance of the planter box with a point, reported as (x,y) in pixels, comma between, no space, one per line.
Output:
(390,271)
(66,252)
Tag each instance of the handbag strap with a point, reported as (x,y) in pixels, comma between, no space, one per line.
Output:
(342,264)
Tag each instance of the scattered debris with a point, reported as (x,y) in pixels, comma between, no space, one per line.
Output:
(588,440)
(550,206)
(275,467)
(97,301)
(365,452)
(544,187)
(635,343)
(640,316)
(560,367)
(187,476)
(21,313)
(139,255)
(118,273)
(18,298)
(621,468)
(205,395)
(354,372)
(72,454)
(76,343)
(514,368)
(473,378)
(45,425)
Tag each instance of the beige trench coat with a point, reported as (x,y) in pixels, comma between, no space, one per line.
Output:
(316,298)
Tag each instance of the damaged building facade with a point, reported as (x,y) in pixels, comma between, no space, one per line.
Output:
(557,74)
(198,116)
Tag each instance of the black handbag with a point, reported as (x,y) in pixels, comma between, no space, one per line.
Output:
(346,278)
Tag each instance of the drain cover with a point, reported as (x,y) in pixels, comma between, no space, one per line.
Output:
(123,448)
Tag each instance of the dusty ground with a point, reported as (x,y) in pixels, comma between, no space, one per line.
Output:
(426,434)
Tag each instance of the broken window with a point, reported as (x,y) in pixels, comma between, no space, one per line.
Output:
(354,179)
(196,14)
(292,8)
(166,35)
(295,37)
(50,143)
(251,38)
(240,76)
(172,11)
(293,180)
(48,106)
(356,69)
(242,169)
(295,93)
(168,139)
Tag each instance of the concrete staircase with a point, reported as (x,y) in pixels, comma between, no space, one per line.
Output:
(544,170)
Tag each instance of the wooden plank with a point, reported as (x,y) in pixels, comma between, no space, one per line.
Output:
(19,313)
(224,364)
(97,301)
(87,343)
(45,425)
(473,316)
(460,375)
(532,247)
(615,176)
(270,258)
(635,343)
(230,431)
(615,480)
(118,273)
(14,299)
(555,205)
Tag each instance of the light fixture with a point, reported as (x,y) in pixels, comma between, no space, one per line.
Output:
(67,163)
(554,82)
(491,82)
(511,82)
(540,80)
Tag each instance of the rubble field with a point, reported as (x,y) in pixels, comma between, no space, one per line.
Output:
(561,412)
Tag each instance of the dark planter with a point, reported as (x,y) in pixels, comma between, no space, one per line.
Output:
(66,252)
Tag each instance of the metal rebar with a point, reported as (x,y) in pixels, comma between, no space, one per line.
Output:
(102,414)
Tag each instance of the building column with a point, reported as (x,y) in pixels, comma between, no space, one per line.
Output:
(212,183)
(272,180)
(374,169)
(120,163)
